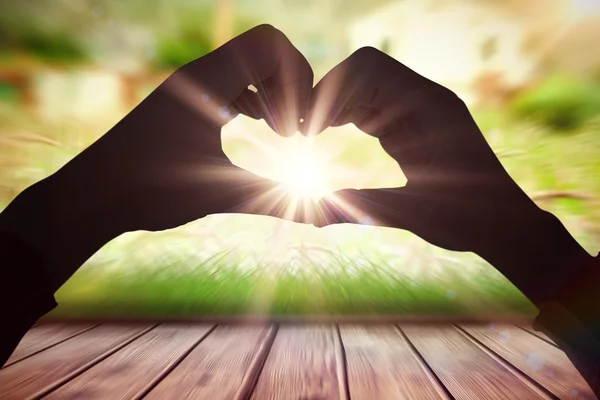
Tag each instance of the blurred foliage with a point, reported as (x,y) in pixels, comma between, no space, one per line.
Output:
(8,92)
(560,102)
(490,118)
(179,49)
(192,37)
(30,27)
(47,45)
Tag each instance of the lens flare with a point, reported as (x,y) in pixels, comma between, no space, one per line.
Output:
(302,171)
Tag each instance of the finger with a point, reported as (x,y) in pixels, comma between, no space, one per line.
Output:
(404,208)
(225,190)
(249,104)
(368,80)
(245,193)
(257,106)
(394,208)
(265,58)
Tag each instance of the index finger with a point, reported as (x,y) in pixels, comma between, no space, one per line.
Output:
(369,88)
(265,58)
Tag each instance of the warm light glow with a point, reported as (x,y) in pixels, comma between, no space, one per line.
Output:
(308,168)
(301,169)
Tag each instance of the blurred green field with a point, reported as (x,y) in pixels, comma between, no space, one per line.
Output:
(545,131)
(207,267)
(218,286)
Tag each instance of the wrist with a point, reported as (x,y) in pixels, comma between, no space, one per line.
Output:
(539,256)
(60,223)
(581,295)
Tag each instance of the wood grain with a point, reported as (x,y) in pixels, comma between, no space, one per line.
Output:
(48,369)
(381,365)
(465,370)
(43,336)
(127,373)
(546,364)
(303,364)
(223,366)
(539,334)
(112,361)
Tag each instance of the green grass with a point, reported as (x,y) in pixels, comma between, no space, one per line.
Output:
(219,287)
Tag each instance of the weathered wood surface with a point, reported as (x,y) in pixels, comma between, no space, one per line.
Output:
(382,365)
(290,361)
(542,362)
(304,363)
(42,337)
(223,366)
(45,371)
(133,369)
(466,370)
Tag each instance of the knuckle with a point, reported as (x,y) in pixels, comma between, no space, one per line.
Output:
(446,95)
(268,31)
(364,60)
(367,52)
(454,100)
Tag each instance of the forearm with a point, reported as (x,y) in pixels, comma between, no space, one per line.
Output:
(572,320)
(534,250)
(62,224)
(548,265)
(44,238)
(25,292)
(575,336)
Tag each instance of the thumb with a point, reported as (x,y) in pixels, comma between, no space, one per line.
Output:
(255,195)
(393,208)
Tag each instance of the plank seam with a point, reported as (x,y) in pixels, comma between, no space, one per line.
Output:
(169,368)
(50,346)
(538,336)
(442,389)
(342,363)
(61,382)
(522,376)
(256,367)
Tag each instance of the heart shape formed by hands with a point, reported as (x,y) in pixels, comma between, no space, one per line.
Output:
(458,196)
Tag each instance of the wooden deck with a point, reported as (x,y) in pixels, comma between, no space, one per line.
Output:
(289,362)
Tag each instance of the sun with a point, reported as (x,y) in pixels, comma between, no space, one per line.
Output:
(302,176)
(301,169)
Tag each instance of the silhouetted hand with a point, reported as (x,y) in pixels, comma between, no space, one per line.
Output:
(458,195)
(163,165)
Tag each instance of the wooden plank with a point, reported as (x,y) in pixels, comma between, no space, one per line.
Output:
(381,365)
(44,336)
(304,363)
(539,334)
(44,371)
(464,369)
(129,372)
(546,364)
(223,366)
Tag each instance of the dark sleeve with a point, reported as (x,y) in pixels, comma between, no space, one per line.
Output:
(25,292)
(573,322)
